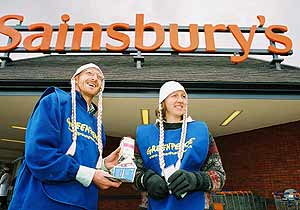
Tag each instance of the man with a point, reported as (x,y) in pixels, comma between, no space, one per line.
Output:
(4,184)
(63,150)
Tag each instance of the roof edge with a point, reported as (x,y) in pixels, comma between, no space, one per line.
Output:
(145,86)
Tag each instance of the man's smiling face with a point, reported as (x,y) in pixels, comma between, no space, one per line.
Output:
(89,82)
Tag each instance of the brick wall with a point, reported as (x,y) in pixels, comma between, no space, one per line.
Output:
(264,161)
(125,198)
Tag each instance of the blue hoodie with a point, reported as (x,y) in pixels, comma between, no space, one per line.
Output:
(195,152)
(46,178)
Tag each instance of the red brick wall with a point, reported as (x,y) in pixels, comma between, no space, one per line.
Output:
(264,160)
(123,198)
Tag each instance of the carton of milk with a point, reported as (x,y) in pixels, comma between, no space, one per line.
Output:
(127,148)
(126,168)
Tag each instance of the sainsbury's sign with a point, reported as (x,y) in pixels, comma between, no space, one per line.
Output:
(117,31)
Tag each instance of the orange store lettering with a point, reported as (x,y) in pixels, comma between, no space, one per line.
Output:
(117,31)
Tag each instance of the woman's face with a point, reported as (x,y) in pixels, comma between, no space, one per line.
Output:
(175,105)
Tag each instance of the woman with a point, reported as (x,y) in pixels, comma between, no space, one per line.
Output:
(177,158)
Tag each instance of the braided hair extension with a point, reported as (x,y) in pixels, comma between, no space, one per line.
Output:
(72,148)
(162,163)
(99,129)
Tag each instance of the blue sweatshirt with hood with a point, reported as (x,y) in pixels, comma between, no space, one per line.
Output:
(47,176)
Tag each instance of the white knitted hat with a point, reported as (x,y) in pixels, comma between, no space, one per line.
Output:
(168,88)
(165,90)
(87,66)
(72,148)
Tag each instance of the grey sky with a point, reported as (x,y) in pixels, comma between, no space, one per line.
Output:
(242,13)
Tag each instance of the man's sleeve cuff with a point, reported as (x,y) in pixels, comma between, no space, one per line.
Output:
(85,175)
(103,167)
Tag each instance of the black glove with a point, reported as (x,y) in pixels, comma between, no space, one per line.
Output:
(155,185)
(182,181)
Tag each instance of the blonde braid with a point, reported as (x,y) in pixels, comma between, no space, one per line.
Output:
(99,129)
(182,137)
(161,140)
(162,163)
(72,148)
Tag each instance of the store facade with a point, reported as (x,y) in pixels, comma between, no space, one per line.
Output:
(258,147)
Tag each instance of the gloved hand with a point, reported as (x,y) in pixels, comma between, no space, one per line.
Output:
(182,181)
(155,185)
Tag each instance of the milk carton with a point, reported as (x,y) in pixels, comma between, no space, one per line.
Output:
(126,168)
